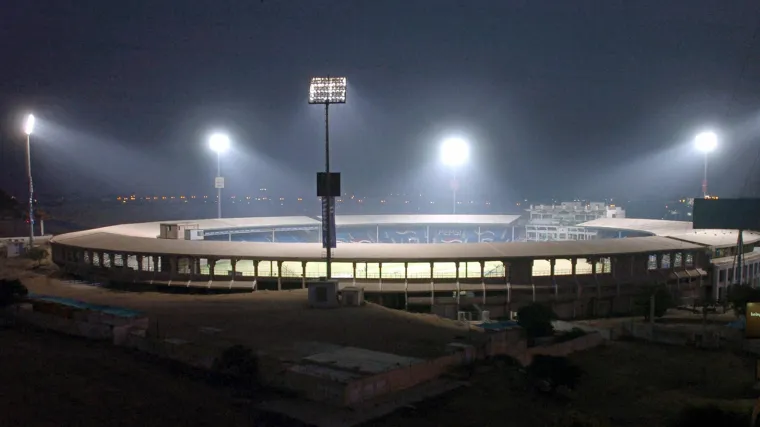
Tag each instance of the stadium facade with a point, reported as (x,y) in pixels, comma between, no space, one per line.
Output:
(389,257)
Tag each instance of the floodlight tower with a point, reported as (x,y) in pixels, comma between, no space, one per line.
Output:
(328,90)
(220,143)
(454,153)
(706,142)
(28,129)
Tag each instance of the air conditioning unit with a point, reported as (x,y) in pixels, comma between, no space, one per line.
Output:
(464,316)
(485,316)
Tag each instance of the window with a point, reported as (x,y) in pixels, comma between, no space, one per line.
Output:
(652,264)
(678,262)
(690,260)
(722,276)
(665,262)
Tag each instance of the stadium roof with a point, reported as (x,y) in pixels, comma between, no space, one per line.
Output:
(107,239)
(680,230)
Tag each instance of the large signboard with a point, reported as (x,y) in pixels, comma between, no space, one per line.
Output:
(219,182)
(328,217)
(752,328)
(334,184)
(727,214)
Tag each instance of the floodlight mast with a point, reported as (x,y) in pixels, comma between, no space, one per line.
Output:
(706,142)
(219,143)
(28,129)
(454,152)
(328,90)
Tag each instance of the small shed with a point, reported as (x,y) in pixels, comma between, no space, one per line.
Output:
(323,294)
(15,249)
(352,296)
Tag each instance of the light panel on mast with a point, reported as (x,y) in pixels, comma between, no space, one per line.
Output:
(327,90)
(29,125)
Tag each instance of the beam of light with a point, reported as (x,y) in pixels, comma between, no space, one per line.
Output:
(454,152)
(706,142)
(29,124)
(219,142)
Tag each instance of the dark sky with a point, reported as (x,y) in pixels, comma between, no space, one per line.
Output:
(557,98)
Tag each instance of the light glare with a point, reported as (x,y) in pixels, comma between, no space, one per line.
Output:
(454,151)
(219,142)
(327,90)
(706,142)
(29,125)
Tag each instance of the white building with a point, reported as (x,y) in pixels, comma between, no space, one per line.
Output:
(559,222)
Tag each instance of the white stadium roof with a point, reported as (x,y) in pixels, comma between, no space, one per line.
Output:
(141,239)
(679,230)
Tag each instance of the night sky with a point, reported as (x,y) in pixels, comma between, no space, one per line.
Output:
(557,98)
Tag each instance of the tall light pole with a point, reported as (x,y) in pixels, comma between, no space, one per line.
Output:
(706,142)
(220,143)
(454,153)
(326,91)
(28,129)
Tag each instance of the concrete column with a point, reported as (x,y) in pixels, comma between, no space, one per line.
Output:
(459,290)
(432,285)
(156,264)
(211,270)
(552,265)
(303,274)
(140,266)
(406,286)
(233,266)
(279,275)
(483,280)
(353,274)
(255,273)
(173,267)
(380,280)
(508,299)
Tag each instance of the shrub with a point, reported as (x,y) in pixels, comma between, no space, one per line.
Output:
(536,319)
(37,254)
(11,292)
(555,372)
(240,363)
(709,415)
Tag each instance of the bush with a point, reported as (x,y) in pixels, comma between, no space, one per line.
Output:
(11,292)
(536,319)
(662,301)
(240,363)
(709,415)
(37,254)
(555,372)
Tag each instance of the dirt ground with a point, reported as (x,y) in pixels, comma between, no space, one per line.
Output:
(51,380)
(625,384)
(262,320)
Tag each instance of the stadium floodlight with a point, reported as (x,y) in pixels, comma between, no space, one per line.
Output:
(28,129)
(29,124)
(220,143)
(706,142)
(327,90)
(454,153)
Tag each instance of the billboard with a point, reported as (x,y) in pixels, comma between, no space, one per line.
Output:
(727,214)
(752,329)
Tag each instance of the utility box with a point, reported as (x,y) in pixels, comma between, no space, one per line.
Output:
(176,231)
(323,294)
(15,249)
(194,234)
(352,296)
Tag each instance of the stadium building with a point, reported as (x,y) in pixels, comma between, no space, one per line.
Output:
(560,222)
(451,265)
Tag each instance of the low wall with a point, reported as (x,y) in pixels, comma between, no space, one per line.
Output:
(566,348)
(671,336)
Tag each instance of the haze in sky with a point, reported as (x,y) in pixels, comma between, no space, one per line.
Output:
(557,99)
